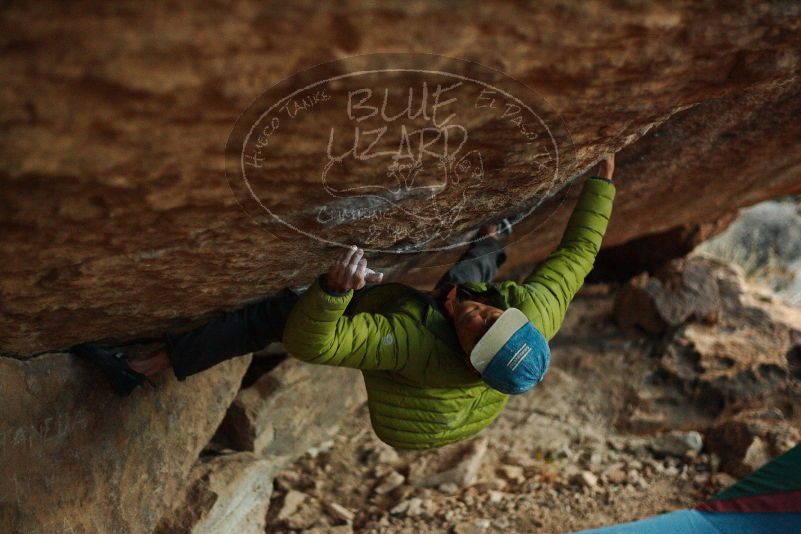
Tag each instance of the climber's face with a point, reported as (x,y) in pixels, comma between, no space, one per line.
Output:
(472,319)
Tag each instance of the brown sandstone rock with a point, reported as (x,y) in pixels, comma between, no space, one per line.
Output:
(75,457)
(733,376)
(277,418)
(747,440)
(295,406)
(227,493)
(744,354)
(117,215)
(680,291)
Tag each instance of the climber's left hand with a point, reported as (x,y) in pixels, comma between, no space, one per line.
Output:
(350,271)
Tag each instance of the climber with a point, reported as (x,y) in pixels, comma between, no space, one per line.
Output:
(438,366)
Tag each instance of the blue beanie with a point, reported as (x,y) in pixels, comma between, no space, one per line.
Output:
(512,355)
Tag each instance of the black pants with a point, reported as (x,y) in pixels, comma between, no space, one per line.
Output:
(255,326)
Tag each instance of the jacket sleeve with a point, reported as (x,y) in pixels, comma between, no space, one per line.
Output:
(317,331)
(551,287)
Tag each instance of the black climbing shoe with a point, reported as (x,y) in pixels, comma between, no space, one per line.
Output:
(123,379)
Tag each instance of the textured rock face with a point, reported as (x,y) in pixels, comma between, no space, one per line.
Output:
(749,439)
(675,294)
(264,418)
(227,493)
(76,458)
(725,364)
(117,216)
(273,420)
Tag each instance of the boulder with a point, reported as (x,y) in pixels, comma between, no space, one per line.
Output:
(117,214)
(676,293)
(747,440)
(733,379)
(292,408)
(740,357)
(226,493)
(725,338)
(280,416)
(74,457)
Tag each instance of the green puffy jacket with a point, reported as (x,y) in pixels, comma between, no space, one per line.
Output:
(420,391)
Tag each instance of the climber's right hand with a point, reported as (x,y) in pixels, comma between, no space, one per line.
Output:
(350,271)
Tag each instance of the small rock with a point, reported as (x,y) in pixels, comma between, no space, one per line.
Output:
(472,527)
(464,473)
(494,484)
(340,512)
(637,446)
(409,508)
(382,470)
(671,471)
(322,447)
(633,475)
(650,466)
(292,500)
(677,443)
(512,473)
(616,444)
(756,455)
(586,479)
(502,524)
(495,496)
(616,476)
(385,455)
(449,488)
(400,508)
(308,514)
(286,479)
(723,480)
(521,458)
(390,482)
